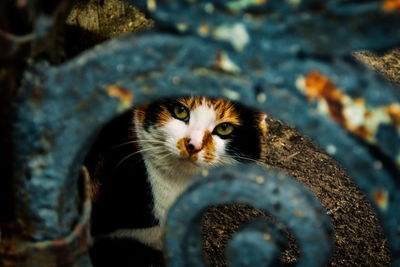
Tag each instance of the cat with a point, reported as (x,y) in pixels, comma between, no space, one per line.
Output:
(142,161)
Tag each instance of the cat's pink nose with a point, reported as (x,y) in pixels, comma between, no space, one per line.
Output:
(193,145)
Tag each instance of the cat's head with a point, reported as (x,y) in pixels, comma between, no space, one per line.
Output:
(199,132)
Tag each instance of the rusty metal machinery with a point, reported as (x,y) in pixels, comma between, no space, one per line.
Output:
(288,58)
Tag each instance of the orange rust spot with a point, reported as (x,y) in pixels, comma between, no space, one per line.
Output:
(391,5)
(124,96)
(223,63)
(394,113)
(299,213)
(21,3)
(220,57)
(204,29)
(58,243)
(381,198)
(359,101)
(362,131)
(321,87)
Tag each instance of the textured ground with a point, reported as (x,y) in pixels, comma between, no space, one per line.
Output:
(388,64)
(358,236)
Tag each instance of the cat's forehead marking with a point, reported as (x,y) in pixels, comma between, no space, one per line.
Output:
(224,109)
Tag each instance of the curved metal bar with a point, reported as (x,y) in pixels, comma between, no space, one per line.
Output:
(70,250)
(279,195)
(62,108)
(170,65)
(262,240)
(310,26)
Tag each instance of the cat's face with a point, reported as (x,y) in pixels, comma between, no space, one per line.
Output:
(199,132)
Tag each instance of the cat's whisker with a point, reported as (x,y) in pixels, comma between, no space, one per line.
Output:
(141,141)
(126,143)
(167,155)
(134,153)
(239,157)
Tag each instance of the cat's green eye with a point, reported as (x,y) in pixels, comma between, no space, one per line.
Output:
(224,129)
(181,112)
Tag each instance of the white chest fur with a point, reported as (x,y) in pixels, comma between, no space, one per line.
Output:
(166,188)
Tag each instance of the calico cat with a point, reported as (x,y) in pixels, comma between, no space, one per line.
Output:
(143,160)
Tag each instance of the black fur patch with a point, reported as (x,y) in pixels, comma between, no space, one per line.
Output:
(124,199)
(154,109)
(124,252)
(245,139)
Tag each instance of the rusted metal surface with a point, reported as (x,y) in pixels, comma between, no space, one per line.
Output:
(161,69)
(290,26)
(379,125)
(258,53)
(391,5)
(70,250)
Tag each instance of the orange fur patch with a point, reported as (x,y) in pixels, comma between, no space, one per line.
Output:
(209,147)
(140,113)
(224,109)
(191,102)
(163,117)
(181,146)
(184,153)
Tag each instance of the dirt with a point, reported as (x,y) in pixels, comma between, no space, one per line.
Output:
(358,236)
(387,64)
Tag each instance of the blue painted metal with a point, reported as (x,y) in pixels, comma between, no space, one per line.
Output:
(270,239)
(310,26)
(203,49)
(278,194)
(68,251)
(162,68)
